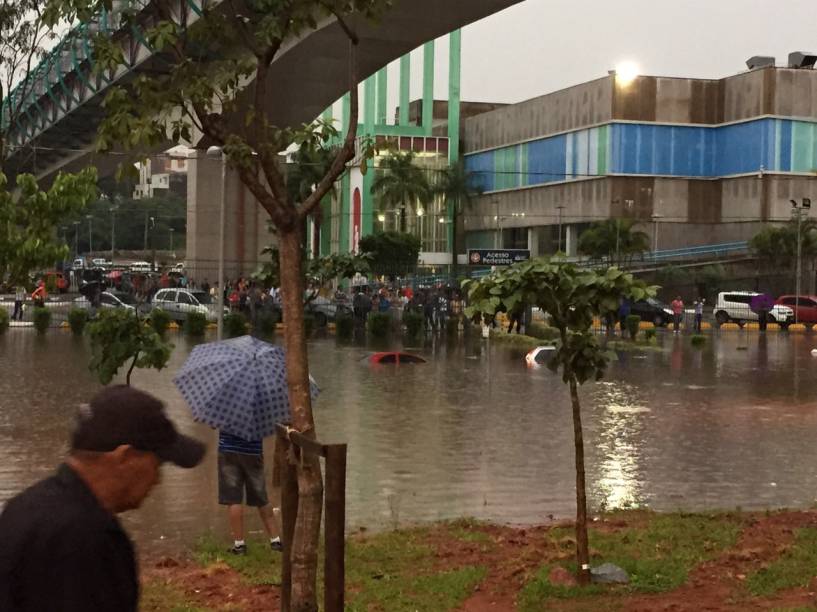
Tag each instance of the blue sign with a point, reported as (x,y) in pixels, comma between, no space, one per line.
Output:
(497,257)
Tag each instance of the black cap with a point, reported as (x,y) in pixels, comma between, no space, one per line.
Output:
(123,415)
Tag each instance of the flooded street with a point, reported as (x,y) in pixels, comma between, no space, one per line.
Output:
(475,432)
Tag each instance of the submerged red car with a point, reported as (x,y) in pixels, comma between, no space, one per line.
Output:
(393,357)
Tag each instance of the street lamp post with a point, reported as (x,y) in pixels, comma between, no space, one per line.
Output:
(799,210)
(498,236)
(216,153)
(171,242)
(76,239)
(655,218)
(90,233)
(560,208)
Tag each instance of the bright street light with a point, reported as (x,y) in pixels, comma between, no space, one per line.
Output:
(626,73)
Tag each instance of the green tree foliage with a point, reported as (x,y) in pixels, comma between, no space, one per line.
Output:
(614,240)
(235,324)
(460,188)
(118,336)
(161,213)
(319,271)
(401,184)
(776,246)
(159,321)
(571,298)
(30,217)
(392,253)
(24,39)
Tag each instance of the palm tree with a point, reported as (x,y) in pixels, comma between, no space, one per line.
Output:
(615,240)
(458,186)
(401,183)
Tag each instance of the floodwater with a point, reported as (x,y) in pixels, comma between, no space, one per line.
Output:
(475,432)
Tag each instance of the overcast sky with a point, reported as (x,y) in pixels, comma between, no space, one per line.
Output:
(540,46)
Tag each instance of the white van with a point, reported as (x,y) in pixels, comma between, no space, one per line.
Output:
(734,306)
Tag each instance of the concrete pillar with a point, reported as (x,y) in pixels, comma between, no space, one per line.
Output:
(246,229)
(571,242)
(533,241)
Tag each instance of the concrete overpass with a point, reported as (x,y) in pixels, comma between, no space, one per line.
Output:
(60,115)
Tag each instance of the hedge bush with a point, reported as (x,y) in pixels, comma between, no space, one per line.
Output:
(42,319)
(344,326)
(265,323)
(159,320)
(632,323)
(698,340)
(452,326)
(540,331)
(4,320)
(379,324)
(235,324)
(195,324)
(77,318)
(309,324)
(414,322)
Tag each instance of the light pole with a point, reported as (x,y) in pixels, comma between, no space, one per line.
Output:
(799,210)
(655,218)
(90,233)
(560,208)
(171,243)
(76,239)
(215,153)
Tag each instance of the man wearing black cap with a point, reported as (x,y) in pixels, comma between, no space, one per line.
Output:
(61,545)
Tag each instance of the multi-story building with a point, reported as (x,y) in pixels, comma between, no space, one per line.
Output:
(695,161)
(163,174)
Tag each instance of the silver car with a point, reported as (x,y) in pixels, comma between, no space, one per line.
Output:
(179,302)
(108,299)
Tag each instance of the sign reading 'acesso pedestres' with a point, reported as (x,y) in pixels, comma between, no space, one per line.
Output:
(497,257)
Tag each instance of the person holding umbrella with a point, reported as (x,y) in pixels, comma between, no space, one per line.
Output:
(239,387)
(241,480)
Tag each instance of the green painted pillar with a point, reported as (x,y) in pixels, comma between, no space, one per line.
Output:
(382,97)
(346,109)
(454,77)
(405,88)
(428,86)
(345,214)
(368,106)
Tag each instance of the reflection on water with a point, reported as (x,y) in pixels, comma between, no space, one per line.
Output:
(475,432)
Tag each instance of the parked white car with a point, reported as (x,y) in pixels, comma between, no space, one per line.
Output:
(100,262)
(179,302)
(734,306)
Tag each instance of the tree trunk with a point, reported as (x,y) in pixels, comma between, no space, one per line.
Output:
(582,551)
(304,553)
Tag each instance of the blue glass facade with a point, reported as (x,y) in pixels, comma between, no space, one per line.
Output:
(648,149)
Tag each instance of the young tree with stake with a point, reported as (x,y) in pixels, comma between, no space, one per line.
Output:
(215,81)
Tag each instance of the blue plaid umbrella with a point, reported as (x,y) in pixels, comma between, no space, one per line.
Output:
(238,386)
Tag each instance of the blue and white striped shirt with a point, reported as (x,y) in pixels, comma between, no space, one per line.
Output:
(228,443)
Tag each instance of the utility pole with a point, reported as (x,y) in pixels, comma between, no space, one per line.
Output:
(799,210)
(76,239)
(145,247)
(171,242)
(560,208)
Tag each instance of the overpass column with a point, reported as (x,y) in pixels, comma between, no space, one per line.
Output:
(246,231)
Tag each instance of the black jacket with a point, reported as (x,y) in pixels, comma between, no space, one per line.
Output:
(61,551)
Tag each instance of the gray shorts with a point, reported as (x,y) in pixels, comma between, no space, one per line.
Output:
(238,474)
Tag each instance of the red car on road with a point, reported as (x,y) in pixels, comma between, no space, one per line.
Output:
(804,307)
